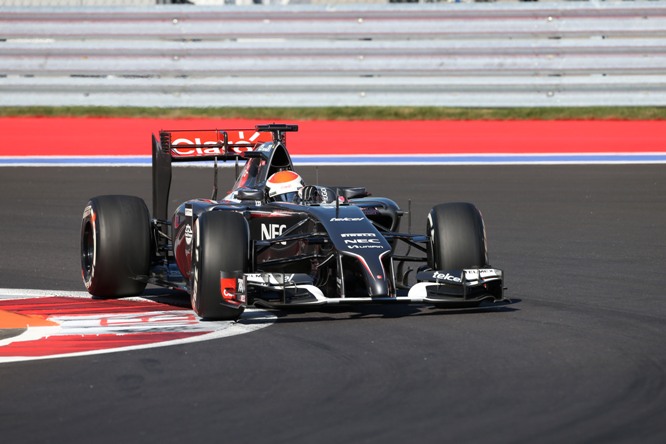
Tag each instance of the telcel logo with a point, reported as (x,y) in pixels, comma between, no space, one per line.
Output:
(446,277)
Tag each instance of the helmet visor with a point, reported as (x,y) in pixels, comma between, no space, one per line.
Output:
(285,197)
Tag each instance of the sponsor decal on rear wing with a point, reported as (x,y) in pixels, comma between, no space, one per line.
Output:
(208,144)
(183,145)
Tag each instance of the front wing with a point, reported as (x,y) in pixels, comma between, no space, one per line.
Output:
(442,288)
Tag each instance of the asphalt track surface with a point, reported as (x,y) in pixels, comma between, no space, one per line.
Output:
(579,356)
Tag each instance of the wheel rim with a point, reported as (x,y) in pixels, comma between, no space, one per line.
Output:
(87,252)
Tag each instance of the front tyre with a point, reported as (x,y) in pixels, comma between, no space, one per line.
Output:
(115,246)
(221,244)
(457,237)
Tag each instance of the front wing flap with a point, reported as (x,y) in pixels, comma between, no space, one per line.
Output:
(433,287)
(476,284)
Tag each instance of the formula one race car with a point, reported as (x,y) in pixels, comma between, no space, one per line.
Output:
(273,242)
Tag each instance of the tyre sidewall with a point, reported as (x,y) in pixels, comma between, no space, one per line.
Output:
(221,244)
(457,237)
(120,235)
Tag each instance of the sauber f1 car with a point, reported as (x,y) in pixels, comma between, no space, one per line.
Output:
(331,245)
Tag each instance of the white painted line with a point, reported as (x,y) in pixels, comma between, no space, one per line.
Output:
(22,293)
(252,320)
(601,158)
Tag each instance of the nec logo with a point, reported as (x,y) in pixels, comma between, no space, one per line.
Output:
(271,231)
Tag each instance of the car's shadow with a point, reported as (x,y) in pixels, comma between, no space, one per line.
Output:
(174,298)
(386,311)
(345,312)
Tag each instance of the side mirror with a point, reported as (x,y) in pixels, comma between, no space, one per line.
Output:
(249,194)
(353,192)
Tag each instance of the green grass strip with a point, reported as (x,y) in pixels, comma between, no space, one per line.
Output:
(352,113)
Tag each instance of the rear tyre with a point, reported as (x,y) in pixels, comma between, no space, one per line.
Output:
(115,246)
(221,244)
(457,237)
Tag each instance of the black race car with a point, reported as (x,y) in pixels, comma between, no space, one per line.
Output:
(328,245)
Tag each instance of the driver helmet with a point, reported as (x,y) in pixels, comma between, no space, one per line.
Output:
(283,186)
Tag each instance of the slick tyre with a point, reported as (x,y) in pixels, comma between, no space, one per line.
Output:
(115,246)
(457,237)
(221,244)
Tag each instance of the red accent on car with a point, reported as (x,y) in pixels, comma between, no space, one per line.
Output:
(228,288)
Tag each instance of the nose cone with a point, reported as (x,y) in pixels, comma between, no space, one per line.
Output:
(379,286)
(377,273)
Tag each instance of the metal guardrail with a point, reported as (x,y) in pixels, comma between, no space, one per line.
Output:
(475,55)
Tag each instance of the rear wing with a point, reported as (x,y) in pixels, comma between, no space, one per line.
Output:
(200,145)
(231,144)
